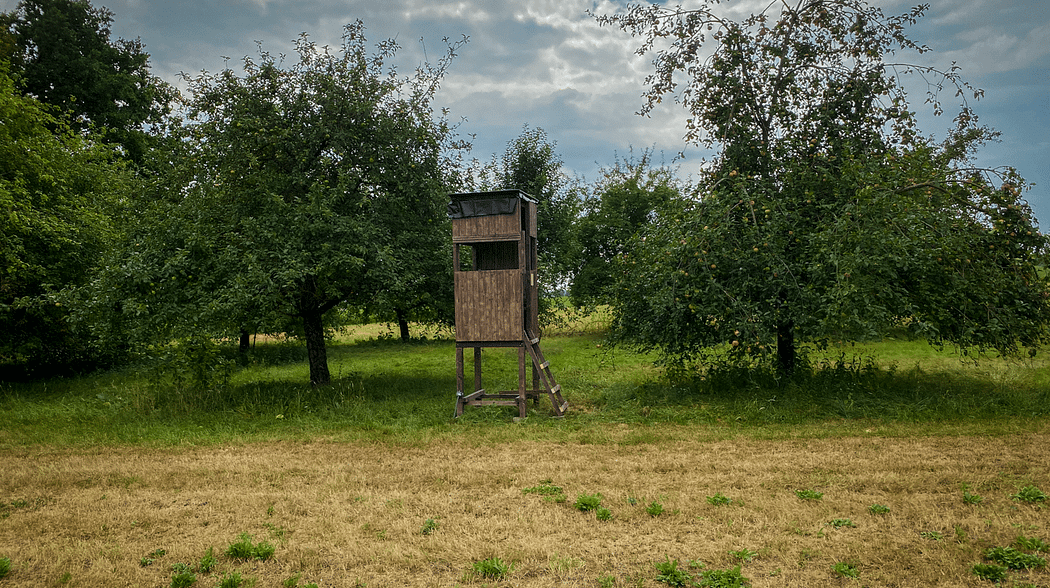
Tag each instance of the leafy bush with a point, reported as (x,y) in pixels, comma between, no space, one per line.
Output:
(603,514)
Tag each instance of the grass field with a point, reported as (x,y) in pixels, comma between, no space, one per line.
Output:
(892,466)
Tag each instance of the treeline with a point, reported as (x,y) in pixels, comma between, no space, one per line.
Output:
(138,219)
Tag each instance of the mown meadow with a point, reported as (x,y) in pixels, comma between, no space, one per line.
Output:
(887,464)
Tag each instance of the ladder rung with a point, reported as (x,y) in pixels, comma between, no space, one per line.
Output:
(556,389)
(535,341)
(545,365)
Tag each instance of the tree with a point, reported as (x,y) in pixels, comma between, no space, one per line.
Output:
(63,55)
(531,164)
(291,191)
(57,192)
(825,214)
(624,200)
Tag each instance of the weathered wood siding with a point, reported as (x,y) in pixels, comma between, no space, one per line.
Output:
(487,228)
(489,306)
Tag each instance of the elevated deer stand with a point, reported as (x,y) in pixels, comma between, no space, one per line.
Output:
(494,261)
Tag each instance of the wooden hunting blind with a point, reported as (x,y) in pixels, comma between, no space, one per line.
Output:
(497,296)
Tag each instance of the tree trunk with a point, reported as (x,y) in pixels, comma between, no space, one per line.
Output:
(786,348)
(402,323)
(245,342)
(316,353)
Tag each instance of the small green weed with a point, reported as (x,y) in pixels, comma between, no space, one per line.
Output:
(671,574)
(932,535)
(744,555)
(608,581)
(5,566)
(430,526)
(245,549)
(1029,494)
(719,499)
(722,579)
(182,576)
(839,523)
(603,514)
(493,568)
(545,488)
(991,572)
(1014,559)
(879,509)
(587,502)
(845,569)
(809,494)
(1032,544)
(969,498)
(152,557)
(655,509)
(208,561)
(292,581)
(231,580)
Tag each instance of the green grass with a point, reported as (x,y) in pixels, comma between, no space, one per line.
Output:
(388,391)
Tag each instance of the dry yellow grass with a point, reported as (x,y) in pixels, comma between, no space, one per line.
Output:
(351,514)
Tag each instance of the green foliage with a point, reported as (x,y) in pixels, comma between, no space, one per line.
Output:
(492,568)
(293,190)
(64,55)
(587,502)
(879,509)
(622,201)
(809,494)
(731,578)
(824,216)
(1014,559)
(1032,544)
(245,549)
(231,580)
(603,514)
(5,566)
(654,508)
(719,500)
(544,488)
(430,526)
(671,574)
(182,576)
(970,498)
(845,569)
(59,191)
(839,523)
(1029,494)
(207,562)
(744,555)
(991,572)
(152,557)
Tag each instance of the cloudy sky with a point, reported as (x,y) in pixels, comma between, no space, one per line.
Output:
(545,63)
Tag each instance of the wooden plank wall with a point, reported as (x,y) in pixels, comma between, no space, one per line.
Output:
(489,306)
(483,228)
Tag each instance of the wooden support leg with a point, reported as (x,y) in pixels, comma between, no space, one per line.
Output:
(522,394)
(477,369)
(459,381)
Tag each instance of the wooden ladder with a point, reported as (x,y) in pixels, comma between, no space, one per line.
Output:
(543,367)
